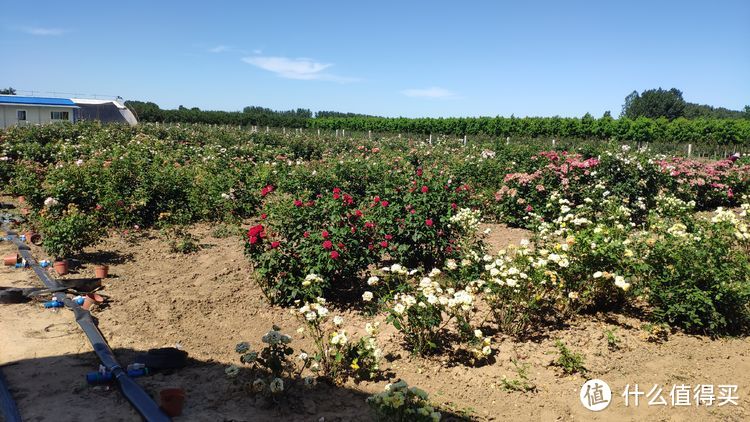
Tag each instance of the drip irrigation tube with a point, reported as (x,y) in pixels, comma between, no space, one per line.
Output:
(138,398)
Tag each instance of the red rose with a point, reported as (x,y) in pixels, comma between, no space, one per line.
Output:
(348,199)
(266,190)
(384,244)
(336,190)
(413,211)
(340,245)
(275,245)
(256,231)
(384,203)
(428,222)
(334,255)
(388,237)
(354,230)
(306,235)
(425,189)
(454,206)
(263,216)
(369,224)
(327,244)
(336,196)
(297,203)
(376,199)
(419,172)
(253,239)
(325,234)
(358,213)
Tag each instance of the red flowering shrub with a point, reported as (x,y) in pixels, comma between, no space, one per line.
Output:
(309,247)
(325,236)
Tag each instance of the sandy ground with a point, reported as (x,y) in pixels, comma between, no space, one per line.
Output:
(207,302)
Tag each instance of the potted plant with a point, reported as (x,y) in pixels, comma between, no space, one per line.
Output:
(66,235)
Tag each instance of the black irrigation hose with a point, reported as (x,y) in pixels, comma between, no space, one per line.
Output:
(8,409)
(138,398)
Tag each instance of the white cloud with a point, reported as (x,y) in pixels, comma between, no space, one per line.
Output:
(301,68)
(257,51)
(432,92)
(219,49)
(36,30)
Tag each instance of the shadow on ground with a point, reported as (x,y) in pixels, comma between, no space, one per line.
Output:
(55,389)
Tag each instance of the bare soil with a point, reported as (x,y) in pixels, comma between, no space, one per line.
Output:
(207,302)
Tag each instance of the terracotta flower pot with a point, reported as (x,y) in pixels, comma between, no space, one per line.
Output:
(35,239)
(10,260)
(101,271)
(61,267)
(172,400)
(90,300)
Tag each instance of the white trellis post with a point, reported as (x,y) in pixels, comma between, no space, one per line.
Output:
(464,139)
(318,132)
(266,129)
(430,139)
(369,134)
(690,150)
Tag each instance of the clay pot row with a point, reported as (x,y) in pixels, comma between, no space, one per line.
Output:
(100,271)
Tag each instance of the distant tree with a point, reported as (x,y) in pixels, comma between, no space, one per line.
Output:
(655,103)
(8,91)
(607,114)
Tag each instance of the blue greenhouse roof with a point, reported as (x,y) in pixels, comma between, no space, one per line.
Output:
(36,101)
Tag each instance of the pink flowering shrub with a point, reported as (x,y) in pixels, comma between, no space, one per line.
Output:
(709,184)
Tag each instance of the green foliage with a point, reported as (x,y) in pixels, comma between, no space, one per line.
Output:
(270,367)
(401,403)
(522,383)
(654,103)
(182,241)
(613,342)
(698,274)
(570,362)
(66,235)
(336,357)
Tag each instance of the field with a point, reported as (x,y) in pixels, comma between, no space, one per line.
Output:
(497,277)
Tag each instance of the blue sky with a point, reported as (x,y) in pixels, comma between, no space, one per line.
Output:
(437,58)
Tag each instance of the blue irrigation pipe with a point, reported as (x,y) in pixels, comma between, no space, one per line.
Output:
(8,408)
(138,398)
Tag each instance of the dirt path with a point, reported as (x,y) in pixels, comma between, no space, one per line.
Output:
(207,302)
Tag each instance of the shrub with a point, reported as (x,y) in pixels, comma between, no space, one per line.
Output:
(270,367)
(67,234)
(401,403)
(698,274)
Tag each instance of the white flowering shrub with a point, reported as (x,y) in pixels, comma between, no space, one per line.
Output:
(337,355)
(426,304)
(270,367)
(402,403)
(698,271)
